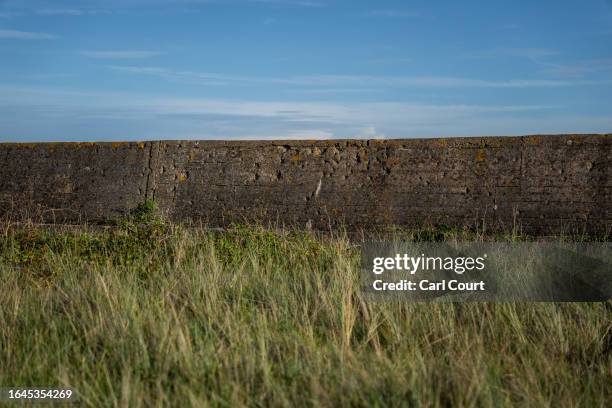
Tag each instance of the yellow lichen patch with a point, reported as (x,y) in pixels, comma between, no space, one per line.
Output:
(295,158)
(480,155)
(73,145)
(141,145)
(117,144)
(533,139)
(81,144)
(182,177)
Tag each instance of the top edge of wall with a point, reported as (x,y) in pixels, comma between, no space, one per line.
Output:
(528,139)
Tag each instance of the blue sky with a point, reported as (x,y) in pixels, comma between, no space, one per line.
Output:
(245,69)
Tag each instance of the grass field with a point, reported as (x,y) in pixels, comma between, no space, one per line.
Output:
(147,314)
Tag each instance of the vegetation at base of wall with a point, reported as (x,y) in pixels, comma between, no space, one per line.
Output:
(148,313)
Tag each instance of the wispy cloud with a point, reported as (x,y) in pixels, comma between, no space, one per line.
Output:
(527,52)
(390,60)
(70,12)
(392,13)
(74,8)
(121,54)
(297,3)
(578,68)
(552,64)
(36,112)
(200,78)
(46,77)
(531,52)
(331,91)
(60,12)
(358,80)
(25,35)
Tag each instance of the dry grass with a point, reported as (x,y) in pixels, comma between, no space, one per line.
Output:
(153,315)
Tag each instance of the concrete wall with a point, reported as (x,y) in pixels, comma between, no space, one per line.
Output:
(545,184)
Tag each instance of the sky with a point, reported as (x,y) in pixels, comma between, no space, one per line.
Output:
(302,69)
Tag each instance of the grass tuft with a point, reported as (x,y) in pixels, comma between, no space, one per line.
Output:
(147,313)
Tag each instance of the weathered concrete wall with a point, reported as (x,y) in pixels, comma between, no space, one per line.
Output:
(544,184)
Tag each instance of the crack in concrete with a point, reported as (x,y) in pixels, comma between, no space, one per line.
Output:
(148,193)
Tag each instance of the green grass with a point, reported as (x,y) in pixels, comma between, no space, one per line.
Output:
(150,314)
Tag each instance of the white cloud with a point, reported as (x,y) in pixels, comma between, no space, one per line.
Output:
(330,91)
(60,12)
(370,132)
(25,35)
(121,54)
(46,77)
(390,60)
(529,53)
(38,112)
(390,13)
(358,80)
(310,134)
(542,57)
(70,12)
(89,7)
(298,3)
(578,68)
(199,78)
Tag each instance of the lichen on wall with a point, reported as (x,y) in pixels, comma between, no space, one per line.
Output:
(542,184)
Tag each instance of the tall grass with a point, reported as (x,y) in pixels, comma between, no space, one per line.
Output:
(147,314)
